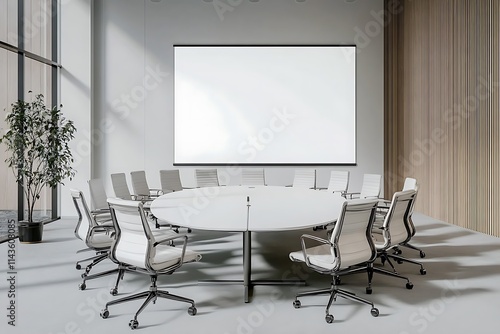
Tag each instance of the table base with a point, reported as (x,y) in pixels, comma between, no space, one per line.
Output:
(247,281)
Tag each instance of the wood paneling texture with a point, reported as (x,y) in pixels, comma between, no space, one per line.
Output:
(442,108)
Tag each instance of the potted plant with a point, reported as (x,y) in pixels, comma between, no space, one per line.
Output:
(37,139)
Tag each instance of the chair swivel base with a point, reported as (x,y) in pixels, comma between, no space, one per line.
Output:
(150,296)
(114,290)
(335,292)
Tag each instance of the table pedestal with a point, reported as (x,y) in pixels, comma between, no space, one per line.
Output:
(247,281)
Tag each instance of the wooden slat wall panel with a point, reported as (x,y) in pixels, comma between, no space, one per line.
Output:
(442,108)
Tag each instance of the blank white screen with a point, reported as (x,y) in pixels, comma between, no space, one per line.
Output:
(265,105)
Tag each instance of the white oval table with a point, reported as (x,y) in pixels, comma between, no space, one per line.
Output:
(248,209)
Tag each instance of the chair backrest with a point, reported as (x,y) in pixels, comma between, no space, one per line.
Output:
(85,221)
(339,181)
(139,183)
(305,178)
(120,187)
(396,226)
(98,196)
(372,184)
(207,178)
(170,180)
(134,238)
(411,184)
(253,177)
(351,236)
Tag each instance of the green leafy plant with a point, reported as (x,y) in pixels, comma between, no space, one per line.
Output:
(38,139)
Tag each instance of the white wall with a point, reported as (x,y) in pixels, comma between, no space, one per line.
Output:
(133,64)
(76,91)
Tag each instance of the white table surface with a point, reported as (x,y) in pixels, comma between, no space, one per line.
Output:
(269,208)
(248,209)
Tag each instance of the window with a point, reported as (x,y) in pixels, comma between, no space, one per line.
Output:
(28,62)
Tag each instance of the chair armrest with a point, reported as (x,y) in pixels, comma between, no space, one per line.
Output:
(350,195)
(304,247)
(155,192)
(171,238)
(100,211)
(108,229)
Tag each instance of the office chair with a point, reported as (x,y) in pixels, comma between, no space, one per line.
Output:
(394,230)
(305,178)
(170,180)
(96,237)
(120,187)
(404,241)
(253,177)
(119,182)
(338,184)
(98,199)
(349,246)
(371,187)
(207,178)
(137,247)
(141,186)
(411,183)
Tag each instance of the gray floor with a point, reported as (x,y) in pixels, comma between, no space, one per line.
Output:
(459,294)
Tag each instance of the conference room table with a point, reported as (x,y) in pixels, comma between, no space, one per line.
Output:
(248,209)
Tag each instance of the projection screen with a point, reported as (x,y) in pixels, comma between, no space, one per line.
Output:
(264,105)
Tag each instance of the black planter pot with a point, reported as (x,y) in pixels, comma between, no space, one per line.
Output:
(30,232)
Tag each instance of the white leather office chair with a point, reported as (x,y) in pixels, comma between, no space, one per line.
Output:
(371,187)
(97,237)
(393,230)
(305,178)
(349,246)
(412,185)
(207,178)
(98,198)
(143,251)
(339,182)
(409,184)
(120,186)
(253,177)
(170,180)
(141,186)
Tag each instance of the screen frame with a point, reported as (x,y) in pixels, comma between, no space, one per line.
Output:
(262,164)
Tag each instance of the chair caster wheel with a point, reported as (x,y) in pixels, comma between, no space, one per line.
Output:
(422,254)
(329,318)
(315,228)
(133,324)
(78,266)
(409,285)
(423,271)
(192,310)
(374,312)
(113,291)
(296,303)
(82,286)
(105,314)
(369,291)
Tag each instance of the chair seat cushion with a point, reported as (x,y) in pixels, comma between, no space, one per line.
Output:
(321,256)
(167,256)
(100,240)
